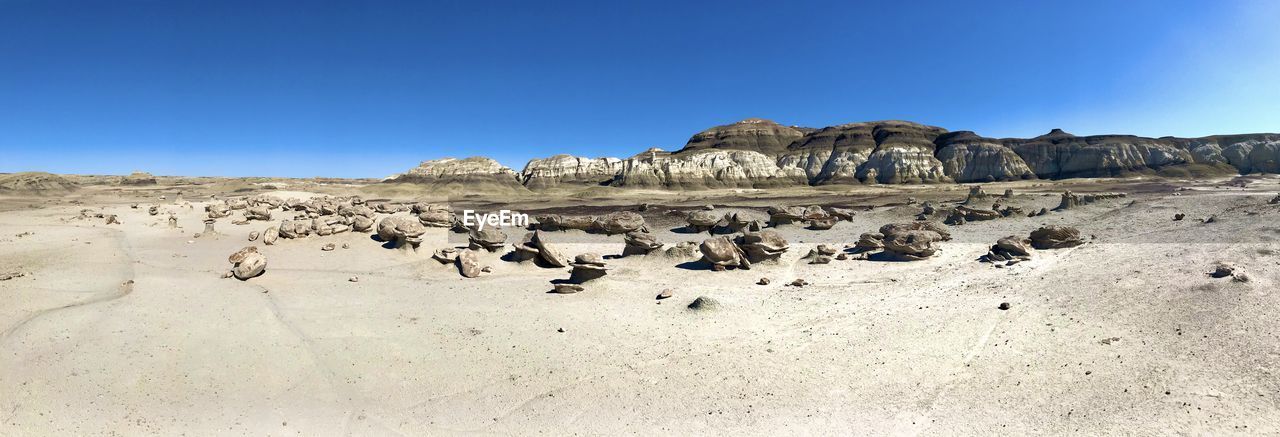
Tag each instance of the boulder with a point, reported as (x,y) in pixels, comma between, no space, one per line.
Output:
(1008,249)
(869,242)
(468,264)
(404,231)
(703,220)
(247,263)
(490,239)
(911,241)
(722,252)
(1055,237)
(781,215)
(262,212)
(762,245)
(619,222)
(640,243)
(587,267)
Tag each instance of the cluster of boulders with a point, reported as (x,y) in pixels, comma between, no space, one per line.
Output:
(618,222)
(904,241)
(743,250)
(814,215)
(1071,200)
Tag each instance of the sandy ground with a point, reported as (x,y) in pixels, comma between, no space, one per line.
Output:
(131,329)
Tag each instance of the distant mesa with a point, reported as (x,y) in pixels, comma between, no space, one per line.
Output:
(759,153)
(35,183)
(138,178)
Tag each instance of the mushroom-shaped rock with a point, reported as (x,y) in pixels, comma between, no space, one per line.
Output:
(781,215)
(1055,237)
(247,263)
(490,239)
(619,222)
(640,243)
(703,220)
(468,264)
(586,267)
(405,231)
(763,245)
(722,252)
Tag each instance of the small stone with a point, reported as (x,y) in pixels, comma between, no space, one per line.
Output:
(664,294)
(346,246)
(328,247)
(567,288)
(354,279)
(487,269)
(763,281)
(560,330)
(1003,306)
(799,283)
(702,303)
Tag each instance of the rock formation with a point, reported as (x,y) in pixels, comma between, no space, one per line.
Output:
(138,178)
(567,170)
(758,153)
(470,175)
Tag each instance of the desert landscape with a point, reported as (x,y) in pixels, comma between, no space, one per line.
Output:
(884,278)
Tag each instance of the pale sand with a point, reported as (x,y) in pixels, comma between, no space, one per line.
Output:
(868,348)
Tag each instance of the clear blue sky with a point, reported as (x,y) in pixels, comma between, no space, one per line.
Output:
(367,89)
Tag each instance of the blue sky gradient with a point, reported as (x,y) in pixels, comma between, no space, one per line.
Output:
(367,89)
